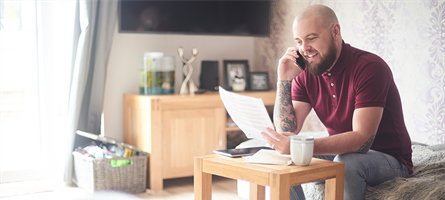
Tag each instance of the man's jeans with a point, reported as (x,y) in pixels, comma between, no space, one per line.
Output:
(371,169)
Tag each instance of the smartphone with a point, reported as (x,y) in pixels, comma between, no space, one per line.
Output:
(300,61)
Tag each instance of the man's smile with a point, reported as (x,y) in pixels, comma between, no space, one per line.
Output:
(310,55)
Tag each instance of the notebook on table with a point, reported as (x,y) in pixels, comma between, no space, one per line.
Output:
(240,151)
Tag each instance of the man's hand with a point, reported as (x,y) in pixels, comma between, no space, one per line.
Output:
(282,141)
(287,69)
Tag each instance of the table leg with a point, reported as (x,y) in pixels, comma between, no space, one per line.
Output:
(257,192)
(279,187)
(202,182)
(334,187)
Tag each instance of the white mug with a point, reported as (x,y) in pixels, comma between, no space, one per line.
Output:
(301,149)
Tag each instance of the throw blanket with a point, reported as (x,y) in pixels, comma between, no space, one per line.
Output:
(426,182)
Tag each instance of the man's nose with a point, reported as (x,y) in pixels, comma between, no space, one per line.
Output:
(305,47)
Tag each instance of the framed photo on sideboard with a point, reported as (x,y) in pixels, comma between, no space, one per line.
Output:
(235,70)
(259,81)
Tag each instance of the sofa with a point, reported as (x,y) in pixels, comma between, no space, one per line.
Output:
(426,182)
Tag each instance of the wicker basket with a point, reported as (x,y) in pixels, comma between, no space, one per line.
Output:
(97,174)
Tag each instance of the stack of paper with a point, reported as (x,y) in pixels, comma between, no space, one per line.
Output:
(265,156)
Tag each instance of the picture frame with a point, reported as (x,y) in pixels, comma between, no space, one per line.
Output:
(259,81)
(235,69)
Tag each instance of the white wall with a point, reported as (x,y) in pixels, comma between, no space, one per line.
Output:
(122,70)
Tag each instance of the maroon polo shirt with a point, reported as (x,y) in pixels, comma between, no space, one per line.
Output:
(358,79)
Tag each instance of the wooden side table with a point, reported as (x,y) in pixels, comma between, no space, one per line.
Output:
(279,178)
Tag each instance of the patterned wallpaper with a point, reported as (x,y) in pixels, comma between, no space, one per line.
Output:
(409,35)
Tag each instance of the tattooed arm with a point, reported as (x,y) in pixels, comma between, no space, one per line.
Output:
(284,113)
(286,119)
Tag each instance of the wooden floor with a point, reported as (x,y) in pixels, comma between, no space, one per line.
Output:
(174,189)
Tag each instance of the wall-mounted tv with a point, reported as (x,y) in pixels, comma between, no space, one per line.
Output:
(204,17)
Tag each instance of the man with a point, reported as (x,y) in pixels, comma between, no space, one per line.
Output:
(354,95)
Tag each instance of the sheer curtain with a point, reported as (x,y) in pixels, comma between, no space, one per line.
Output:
(53,68)
(35,56)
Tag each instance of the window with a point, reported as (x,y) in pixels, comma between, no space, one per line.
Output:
(35,61)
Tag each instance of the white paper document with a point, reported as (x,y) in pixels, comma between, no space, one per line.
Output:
(248,113)
(265,156)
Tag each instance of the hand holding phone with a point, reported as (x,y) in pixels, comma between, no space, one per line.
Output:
(300,61)
(291,64)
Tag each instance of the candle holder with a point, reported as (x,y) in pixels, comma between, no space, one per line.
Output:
(188,86)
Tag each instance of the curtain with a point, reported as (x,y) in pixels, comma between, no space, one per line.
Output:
(94,28)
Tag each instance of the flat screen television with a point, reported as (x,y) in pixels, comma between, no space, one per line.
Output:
(205,17)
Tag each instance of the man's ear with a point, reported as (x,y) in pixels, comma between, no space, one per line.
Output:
(336,31)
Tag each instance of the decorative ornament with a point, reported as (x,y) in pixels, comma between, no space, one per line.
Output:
(188,86)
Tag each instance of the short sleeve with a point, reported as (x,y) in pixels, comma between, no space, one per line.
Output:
(299,90)
(372,83)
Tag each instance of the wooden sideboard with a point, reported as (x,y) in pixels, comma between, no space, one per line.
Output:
(176,128)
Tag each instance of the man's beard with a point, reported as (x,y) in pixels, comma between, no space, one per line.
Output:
(326,62)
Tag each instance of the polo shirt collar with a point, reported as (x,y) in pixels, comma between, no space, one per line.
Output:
(342,60)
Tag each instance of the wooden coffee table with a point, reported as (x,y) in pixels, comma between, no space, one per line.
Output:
(279,178)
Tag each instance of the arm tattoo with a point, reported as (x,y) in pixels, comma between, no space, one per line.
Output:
(284,113)
(365,147)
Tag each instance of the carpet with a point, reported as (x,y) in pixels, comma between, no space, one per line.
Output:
(17,188)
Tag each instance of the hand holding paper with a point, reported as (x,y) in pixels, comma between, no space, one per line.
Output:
(248,113)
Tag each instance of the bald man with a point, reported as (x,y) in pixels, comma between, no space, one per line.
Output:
(353,94)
